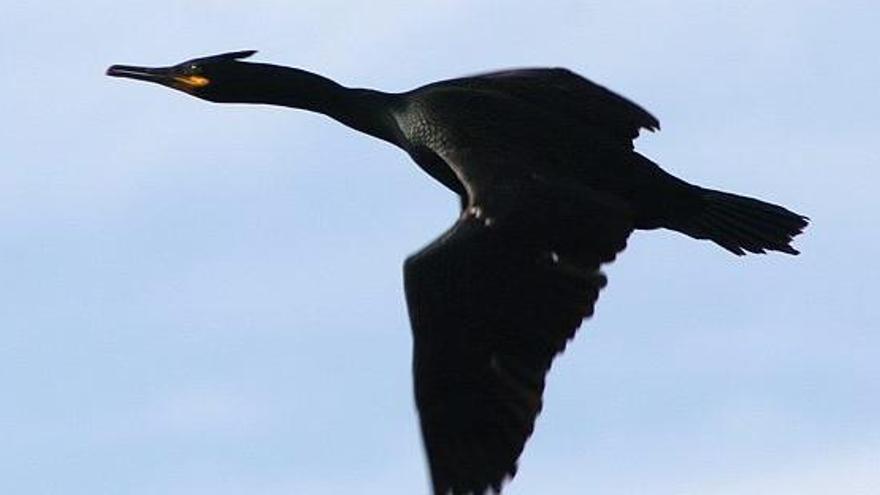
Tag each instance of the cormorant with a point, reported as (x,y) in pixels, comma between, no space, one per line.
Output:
(550,188)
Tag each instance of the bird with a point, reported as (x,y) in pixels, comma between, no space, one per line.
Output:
(550,188)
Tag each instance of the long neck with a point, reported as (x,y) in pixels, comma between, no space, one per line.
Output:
(364,110)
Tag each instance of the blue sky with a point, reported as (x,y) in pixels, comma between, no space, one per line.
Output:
(207,299)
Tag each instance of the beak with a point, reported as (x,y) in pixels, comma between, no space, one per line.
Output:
(161,75)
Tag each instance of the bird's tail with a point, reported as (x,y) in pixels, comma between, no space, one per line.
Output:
(740,224)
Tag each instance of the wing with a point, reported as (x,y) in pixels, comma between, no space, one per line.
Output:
(490,307)
(562,92)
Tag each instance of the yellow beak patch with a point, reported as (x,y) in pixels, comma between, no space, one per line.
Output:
(193,81)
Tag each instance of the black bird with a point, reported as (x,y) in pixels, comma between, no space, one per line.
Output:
(550,189)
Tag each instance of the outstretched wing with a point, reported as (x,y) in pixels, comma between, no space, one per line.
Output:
(490,307)
(562,92)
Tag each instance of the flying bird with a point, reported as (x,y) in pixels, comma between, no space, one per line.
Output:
(542,160)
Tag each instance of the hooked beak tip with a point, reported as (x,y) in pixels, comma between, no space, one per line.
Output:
(140,73)
(124,70)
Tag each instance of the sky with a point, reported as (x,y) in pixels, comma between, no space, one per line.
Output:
(201,298)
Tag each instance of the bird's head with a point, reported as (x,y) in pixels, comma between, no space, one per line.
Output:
(219,78)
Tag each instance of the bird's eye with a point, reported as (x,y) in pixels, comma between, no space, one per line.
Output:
(193,68)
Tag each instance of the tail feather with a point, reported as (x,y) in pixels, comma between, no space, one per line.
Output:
(741,224)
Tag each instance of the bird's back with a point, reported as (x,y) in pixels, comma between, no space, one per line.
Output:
(561,93)
(519,125)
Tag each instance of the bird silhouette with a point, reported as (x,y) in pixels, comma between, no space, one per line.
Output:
(550,187)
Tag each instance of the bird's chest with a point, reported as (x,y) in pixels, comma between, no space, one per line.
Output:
(423,128)
(470,147)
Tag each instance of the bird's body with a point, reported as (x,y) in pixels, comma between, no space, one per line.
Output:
(551,188)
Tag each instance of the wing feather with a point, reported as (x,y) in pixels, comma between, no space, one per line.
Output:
(490,307)
(562,92)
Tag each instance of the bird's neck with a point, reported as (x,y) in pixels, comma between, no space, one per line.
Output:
(365,110)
